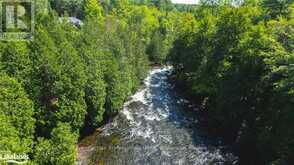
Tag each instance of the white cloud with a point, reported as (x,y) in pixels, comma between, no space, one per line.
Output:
(186,1)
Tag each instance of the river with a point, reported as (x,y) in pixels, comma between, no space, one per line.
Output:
(156,127)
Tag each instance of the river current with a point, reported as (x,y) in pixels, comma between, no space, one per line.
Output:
(156,127)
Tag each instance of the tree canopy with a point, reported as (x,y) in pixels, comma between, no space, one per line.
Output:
(235,58)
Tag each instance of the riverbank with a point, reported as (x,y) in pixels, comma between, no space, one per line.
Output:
(89,136)
(208,123)
(205,122)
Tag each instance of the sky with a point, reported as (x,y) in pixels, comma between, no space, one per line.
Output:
(185,1)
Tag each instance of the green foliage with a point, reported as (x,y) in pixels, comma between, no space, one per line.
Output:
(60,149)
(95,85)
(93,9)
(70,79)
(42,6)
(275,8)
(240,65)
(58,78)
(156,47)
(16,117)
(15,60)
(71,7)
(235,57)
(164,5)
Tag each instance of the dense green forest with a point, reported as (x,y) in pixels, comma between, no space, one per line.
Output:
(238,63)
(235,58)
(70,78)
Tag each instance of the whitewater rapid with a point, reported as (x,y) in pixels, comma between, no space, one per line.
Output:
(157,126)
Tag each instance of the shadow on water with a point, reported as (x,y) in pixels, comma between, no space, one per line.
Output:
(157,126)
(183,115)
(181,112)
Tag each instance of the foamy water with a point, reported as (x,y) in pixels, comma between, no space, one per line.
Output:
(156,126)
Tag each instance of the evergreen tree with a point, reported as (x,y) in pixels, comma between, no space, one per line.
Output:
(60,149)
(16,117)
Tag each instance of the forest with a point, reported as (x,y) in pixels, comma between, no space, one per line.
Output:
(234,58)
